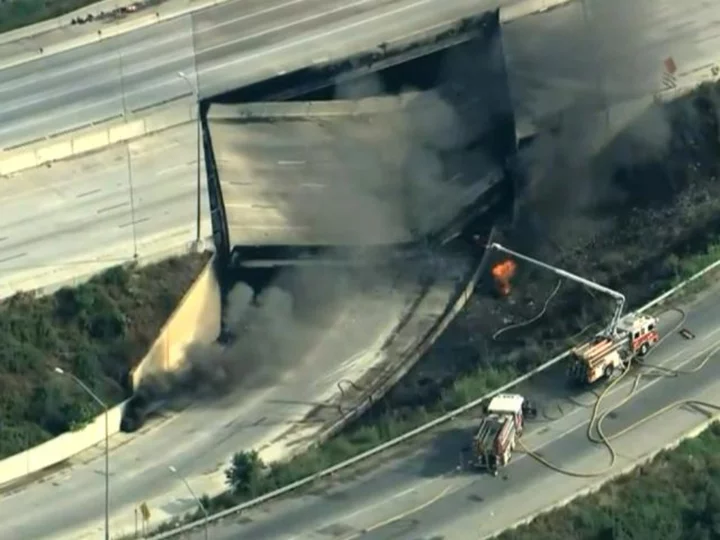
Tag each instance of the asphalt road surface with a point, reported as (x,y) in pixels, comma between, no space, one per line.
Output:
(342,327)
(79,216)
(421,494)
(221,48)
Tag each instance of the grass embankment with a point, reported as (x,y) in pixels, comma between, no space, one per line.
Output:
(664,229)
(19,13)
(674,497)
(97,331)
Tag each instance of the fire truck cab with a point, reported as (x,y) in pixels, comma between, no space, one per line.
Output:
(640,331)
(496,436)
(603,356)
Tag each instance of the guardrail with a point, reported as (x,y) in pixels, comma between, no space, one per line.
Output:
(415,432)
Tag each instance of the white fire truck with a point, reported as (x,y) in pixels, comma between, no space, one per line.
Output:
(499,429)
(624,338)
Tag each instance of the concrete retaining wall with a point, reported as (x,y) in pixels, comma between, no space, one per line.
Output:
(96,137)
(59,449)
(196,319)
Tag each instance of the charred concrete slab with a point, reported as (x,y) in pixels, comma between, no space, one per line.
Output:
(367,179)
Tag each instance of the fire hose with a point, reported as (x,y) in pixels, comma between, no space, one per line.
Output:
(539,315)
(597,418)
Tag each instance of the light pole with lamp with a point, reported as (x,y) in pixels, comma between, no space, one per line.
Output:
(199,503)
(128,156)
(196,92)
(92,394)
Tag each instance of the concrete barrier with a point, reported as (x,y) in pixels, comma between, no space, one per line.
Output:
(94,138)
(90,142)
(193,320)
(196,320)
(59,449)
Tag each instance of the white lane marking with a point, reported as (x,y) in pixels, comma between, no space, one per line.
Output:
(322,35)
(385,500)
(137,47)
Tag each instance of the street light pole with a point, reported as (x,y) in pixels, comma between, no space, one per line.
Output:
(128,157)
(92,394)
(196,92)
(199,503)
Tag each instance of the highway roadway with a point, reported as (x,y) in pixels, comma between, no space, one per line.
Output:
(76,217)
(419,493)
(316,330)
(245,41)
(231,45)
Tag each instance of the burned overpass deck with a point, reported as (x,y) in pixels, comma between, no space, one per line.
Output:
(362,172)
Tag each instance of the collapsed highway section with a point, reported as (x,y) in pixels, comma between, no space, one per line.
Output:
(302,352)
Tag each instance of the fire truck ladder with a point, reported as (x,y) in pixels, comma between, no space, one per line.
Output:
(611,330)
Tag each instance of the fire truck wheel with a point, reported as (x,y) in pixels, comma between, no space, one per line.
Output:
(644,349)
(608,372)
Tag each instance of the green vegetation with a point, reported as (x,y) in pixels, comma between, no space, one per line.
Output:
(675,497)
(19,13)
(97,331)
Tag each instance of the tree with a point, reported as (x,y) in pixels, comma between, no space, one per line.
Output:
(245,473)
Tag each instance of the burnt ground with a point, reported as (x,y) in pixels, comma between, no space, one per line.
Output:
(663,209)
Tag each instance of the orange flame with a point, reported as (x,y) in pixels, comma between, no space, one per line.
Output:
(503,272)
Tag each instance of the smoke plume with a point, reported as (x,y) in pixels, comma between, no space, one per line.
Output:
(272,332)
(586,76)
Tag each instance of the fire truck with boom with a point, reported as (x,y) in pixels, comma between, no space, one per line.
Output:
(612,348)
(499,429)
